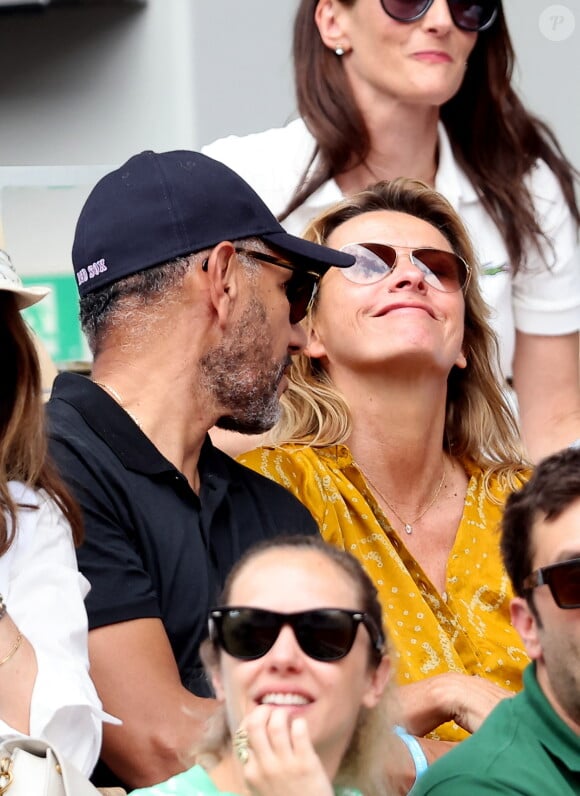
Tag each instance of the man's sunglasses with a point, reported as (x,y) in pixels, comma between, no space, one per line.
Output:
(473,16)
(442,270)
(300,288)
(563,580)
(325,634)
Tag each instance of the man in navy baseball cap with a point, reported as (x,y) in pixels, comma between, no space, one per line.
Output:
(160,206)
(191,294)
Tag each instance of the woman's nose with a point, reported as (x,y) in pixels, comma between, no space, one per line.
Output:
(286,652)
(438,17)
(406,273)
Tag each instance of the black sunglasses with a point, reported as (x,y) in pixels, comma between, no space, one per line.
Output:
(325,634)
(470,15)
(300,288)
(563,580)
(442,270)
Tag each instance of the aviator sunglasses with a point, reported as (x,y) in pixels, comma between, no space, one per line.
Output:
(300,288)
(442,270)
(563,580)
(473,16)
(325,634)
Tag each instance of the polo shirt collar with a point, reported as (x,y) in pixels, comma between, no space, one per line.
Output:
(120,433)
(450,180)
(553,733)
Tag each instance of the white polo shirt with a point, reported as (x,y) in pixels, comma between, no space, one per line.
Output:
(543,298)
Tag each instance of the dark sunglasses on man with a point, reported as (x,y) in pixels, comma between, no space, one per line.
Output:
(300,288)
(324,634)
(563,580)
(474,16)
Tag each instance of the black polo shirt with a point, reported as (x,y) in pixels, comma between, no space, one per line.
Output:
(152,547)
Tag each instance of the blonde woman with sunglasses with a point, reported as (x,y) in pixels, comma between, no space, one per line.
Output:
(397,436)
(297,656)
(423,89)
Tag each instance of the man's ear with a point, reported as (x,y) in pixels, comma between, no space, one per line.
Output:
(328,16)
(222,272)
(526,623)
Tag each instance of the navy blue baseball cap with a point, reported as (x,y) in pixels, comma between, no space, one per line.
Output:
(163,205)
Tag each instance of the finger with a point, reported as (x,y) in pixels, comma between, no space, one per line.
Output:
(270,763)
(300,738)
(279,734)
(257,724)
(248,733)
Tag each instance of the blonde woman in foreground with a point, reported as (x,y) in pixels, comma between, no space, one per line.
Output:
(397,437)
(297,658)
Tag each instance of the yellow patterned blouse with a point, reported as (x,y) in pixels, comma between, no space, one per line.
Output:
(466,629)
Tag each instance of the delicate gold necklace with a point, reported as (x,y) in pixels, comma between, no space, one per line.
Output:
(430,179)
(115,395)
(408,526)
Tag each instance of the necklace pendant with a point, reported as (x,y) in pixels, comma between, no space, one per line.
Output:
(408,528)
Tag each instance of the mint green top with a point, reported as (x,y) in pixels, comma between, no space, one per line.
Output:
(196,782)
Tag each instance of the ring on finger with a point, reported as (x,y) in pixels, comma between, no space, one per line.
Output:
(241,745)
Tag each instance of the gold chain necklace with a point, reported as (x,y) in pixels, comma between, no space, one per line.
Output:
(408,526)
(115,395)
(430,179)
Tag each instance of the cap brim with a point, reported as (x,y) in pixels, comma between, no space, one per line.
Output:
(25,296)
(312,255)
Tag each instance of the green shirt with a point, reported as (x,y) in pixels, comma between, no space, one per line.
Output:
(522,748)
(196,782)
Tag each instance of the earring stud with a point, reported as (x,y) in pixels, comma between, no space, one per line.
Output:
(338,51)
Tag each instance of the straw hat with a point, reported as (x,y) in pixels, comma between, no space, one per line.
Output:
(11,282)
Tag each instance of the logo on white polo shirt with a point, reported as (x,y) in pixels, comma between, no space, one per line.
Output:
(491,269)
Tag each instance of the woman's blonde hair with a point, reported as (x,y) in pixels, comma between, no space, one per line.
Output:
(364,764)
(479,424)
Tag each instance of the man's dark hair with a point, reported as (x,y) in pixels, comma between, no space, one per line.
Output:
(101,309)
(554,485)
